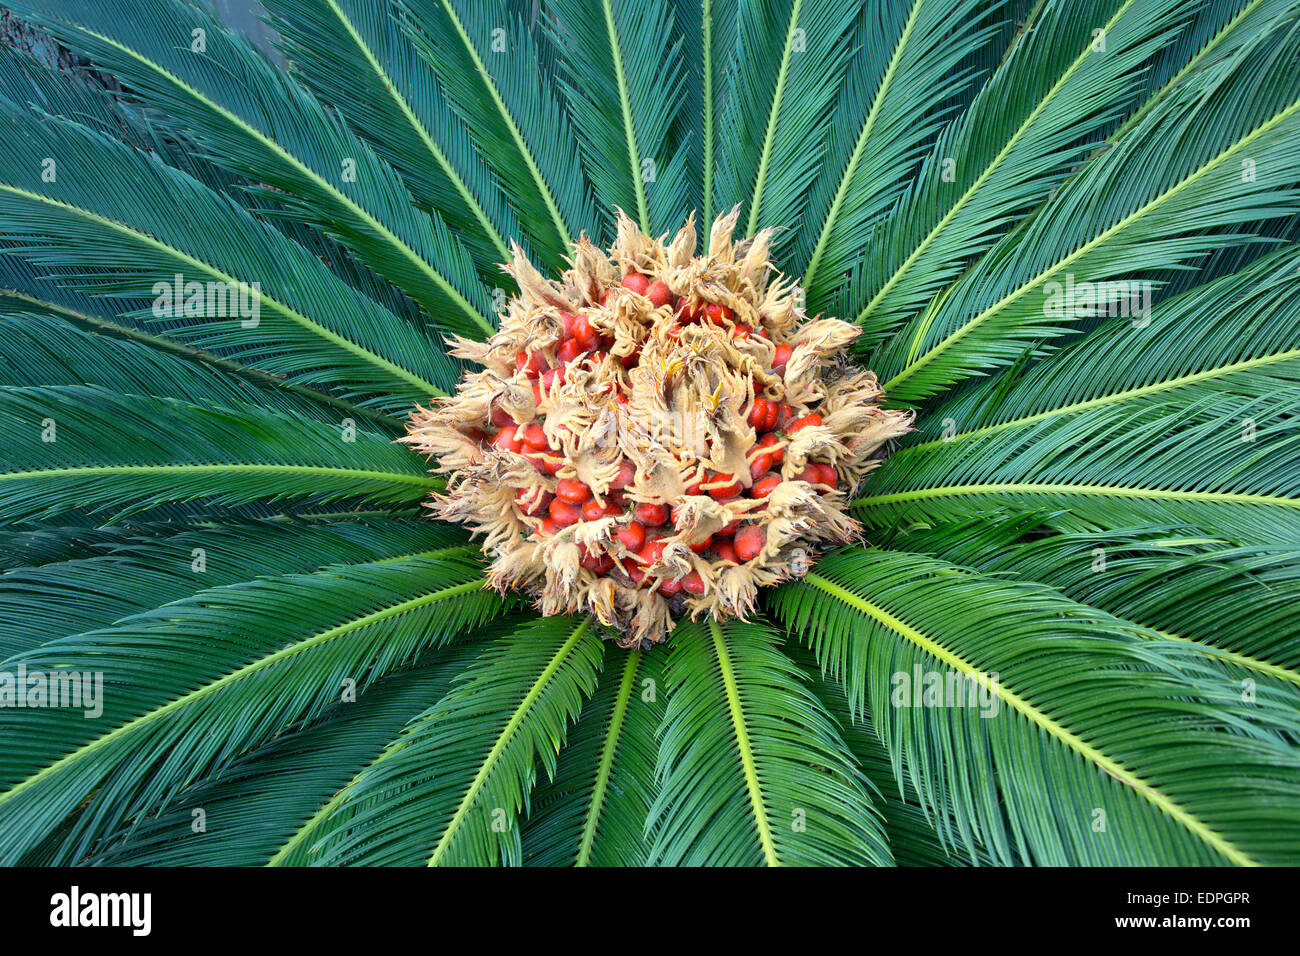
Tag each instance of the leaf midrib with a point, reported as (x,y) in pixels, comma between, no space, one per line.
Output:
(439,156)
(769,136)
(1112,768)
(1047,488)
(625,107)
(744,749)
(253,667)
(988,171)
(420,263)
(1026,287)
(503,741)
(287,311)
(868,125)
(1120,396)
(543,188)
(608,751)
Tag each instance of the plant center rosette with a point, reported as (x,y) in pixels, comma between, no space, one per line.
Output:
(656,433)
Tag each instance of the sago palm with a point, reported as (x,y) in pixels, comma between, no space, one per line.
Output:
(998,302)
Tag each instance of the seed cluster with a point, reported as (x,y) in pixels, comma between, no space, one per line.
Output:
(656,433)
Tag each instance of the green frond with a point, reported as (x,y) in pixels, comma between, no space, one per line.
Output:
(1066,736)
(1223,128)
(777,106)
(260,801)
(1188,421)
(120,223)
(357,59)
(624,84)
(115,577)
(708,36)
(453,789)
(737,750)
(277,134)
(593,812)
(243,662)
(488,63)
(908,63)
(84,447)
(1035,117)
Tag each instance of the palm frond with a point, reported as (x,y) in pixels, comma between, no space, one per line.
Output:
(1037,115)
(453,789)
(594,811)
(277,134)
(489,63)
(1019,672)
(357,59)
(739,741)
(241,662)
(1188,422)
(625,54)
(1235,120)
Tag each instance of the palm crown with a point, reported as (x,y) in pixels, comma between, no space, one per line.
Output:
(1063,229)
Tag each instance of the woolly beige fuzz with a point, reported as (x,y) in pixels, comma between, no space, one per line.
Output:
(645,383)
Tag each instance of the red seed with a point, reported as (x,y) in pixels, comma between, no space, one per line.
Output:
(765,485)
(669,588)
(715,312)
(688,311)
(626,474)
(533,502)
(569,351)
(804,422)
(725,550)
(572,490)
(693,583)
(553,378)
(546,463)
(740,332)
(583,333)
(594,510)
(634,571)
(500,417)
(784,413)
(759,411)
(699,547)
(547,527)
(749,541)
(636,282)
(652,551)
(783,353)
(596,561)
(652,516)
(566,321)
(633,536)
(722,486)
(564,513)
(505,439)
(829,477)
(532,364)
(777,454)
(659,294)
(534,437)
